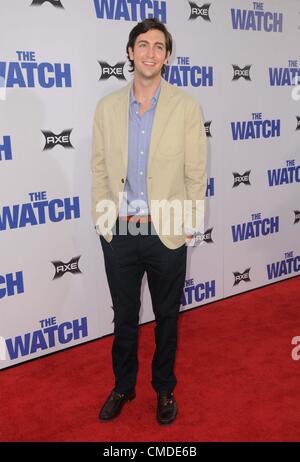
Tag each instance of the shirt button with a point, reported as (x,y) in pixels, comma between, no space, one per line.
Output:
(142,152)
(143,131)
(142,193)
(141,173)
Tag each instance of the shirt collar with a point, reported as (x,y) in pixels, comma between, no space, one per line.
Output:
(153,99)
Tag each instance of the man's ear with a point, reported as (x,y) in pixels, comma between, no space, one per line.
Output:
(130,53)
(167,57)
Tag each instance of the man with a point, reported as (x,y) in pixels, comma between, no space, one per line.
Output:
(148,188)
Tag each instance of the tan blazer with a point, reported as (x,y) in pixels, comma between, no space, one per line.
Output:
(176,164)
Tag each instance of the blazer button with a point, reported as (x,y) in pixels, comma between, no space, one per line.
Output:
(122,180)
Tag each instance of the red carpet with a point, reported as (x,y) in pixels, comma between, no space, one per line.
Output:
(237,380)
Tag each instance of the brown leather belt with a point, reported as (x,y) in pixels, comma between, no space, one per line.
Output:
(136,218)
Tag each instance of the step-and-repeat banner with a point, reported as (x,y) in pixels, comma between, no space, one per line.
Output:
(239,58)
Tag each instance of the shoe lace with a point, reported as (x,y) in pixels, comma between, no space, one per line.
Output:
(166,399)
(115,395)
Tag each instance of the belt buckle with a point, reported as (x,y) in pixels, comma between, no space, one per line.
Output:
(136,218)
(145,219)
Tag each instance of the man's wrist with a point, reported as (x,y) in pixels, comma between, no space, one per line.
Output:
(194,238)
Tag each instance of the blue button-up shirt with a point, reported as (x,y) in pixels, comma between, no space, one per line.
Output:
(139,137)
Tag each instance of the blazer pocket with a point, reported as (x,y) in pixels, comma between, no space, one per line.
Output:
(170,153)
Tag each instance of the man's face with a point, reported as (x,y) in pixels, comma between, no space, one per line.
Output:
(149,54)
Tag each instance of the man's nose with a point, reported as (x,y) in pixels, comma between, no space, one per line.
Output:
(151,51)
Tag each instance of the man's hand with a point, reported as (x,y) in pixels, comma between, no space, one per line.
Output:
(194,240)
(188,239)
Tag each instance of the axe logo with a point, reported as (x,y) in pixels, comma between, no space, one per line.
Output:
(56,3)
(62,268)
(238,277)
(52,140)
(238,179)
(206,237)
(207,128)
(109,71)
(239,72)
(297,216)
(202,11)
(198,238)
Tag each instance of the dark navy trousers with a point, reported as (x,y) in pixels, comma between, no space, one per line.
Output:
(127,258)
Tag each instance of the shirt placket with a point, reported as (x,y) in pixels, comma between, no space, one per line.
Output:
(141,160)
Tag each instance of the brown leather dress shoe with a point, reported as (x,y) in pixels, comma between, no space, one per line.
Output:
(166,408)
(113,405)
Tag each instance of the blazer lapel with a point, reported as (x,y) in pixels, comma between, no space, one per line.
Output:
(121,114)
(162,114)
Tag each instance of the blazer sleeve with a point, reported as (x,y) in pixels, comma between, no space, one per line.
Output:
(195,168)
(100,186)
